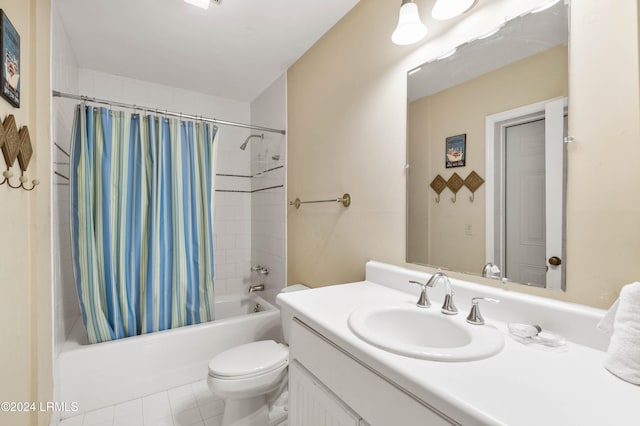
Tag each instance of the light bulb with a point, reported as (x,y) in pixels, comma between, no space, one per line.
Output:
(410,28)
(448,9)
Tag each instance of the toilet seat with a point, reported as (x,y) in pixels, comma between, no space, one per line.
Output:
(249,361)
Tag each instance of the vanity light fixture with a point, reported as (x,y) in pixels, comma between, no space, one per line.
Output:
(545,6)
(410,28)
(204,4)
(448,9)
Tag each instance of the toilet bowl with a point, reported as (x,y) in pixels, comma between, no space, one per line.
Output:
(252,379)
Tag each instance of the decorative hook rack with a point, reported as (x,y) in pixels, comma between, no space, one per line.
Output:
(455,183)
(345,200)
(16,145)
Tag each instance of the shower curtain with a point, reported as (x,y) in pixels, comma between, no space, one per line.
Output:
(141,224)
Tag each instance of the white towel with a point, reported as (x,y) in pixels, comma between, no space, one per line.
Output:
(623,319)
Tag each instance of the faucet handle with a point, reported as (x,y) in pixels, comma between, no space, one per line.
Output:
(423,301)
(256,268)
(475,317)
(448,307)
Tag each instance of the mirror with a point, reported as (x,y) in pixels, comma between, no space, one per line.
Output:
(486,154)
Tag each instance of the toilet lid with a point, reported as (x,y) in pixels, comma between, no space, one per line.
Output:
(251,359)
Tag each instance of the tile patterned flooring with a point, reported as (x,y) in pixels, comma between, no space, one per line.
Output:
(189,405)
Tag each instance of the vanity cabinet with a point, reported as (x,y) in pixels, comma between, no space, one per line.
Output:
(327,379)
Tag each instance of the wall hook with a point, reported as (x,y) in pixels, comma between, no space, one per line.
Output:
(473,182)
(454,183)
(438,184)
(8,174)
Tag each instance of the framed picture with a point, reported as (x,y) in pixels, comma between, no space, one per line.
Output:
(10,42)
(455,151)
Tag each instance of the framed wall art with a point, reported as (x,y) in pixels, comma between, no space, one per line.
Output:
(456,151)
(10,42)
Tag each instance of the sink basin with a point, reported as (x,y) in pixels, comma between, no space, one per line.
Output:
(425,333)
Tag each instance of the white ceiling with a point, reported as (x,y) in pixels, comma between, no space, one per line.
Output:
(518,39)
(233,50)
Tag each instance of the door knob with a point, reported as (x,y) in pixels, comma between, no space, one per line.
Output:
(555,261)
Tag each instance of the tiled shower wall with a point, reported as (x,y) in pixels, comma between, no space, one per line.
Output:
(64,78)
(268,203)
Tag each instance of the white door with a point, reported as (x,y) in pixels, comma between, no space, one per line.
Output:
(525,203)
(535,170)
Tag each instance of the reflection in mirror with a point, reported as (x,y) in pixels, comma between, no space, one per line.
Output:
(496,107)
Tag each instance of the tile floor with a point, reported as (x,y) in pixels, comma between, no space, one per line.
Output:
(189,405)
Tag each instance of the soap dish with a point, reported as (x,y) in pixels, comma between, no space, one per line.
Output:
(533,334)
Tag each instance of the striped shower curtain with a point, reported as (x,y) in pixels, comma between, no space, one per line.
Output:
(141,224)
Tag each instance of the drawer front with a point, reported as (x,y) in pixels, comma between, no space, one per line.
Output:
(378,401)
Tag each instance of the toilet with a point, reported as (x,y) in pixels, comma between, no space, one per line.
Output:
(252,379)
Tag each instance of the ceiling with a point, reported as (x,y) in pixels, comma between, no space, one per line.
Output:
(518,39)
(233,50)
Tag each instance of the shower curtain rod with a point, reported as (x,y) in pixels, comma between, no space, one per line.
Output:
(59,94)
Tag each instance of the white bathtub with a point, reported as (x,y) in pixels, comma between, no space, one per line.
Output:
(104,374)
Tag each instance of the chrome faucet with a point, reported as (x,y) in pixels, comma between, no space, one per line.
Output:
(253,288)
(491,270)
(448,307)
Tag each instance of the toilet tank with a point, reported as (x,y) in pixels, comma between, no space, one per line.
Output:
(286,315)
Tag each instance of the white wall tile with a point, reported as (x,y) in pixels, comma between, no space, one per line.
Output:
(268,207)
(65,79)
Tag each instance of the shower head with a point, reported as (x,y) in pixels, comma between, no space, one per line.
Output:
(246,141)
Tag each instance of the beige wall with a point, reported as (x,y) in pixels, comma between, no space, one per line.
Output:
(462,109)
(347,131)
(25,224)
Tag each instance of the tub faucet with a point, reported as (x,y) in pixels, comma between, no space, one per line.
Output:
(259,287)
(448,307)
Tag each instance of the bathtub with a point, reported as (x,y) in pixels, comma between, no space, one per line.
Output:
(103,374)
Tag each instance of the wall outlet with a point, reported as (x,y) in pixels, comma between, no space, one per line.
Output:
(467,229)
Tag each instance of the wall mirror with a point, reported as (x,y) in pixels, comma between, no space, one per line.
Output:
(487,159)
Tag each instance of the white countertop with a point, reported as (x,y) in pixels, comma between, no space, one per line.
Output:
(522,385)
